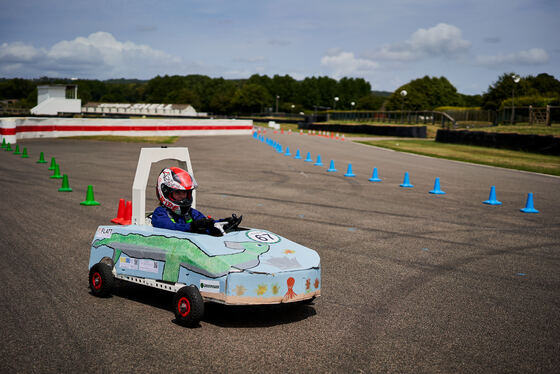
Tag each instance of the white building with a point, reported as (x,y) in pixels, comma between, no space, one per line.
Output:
(56,99)
(142,109)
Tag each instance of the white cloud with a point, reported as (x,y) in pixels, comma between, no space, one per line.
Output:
(98,55)
(345,64)
(18,52)
(534,56)
(440,40)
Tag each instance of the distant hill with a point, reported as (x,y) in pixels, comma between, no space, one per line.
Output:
(126,81)
(382,93)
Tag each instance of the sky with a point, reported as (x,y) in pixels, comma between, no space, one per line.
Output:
(387,43)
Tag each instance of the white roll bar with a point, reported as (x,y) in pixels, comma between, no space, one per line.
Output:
(147,157)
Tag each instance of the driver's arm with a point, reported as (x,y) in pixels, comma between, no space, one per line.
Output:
(161,220)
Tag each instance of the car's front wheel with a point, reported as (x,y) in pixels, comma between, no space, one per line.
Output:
(188,306)
(101,279)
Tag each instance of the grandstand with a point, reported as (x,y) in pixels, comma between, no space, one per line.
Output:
(141,109)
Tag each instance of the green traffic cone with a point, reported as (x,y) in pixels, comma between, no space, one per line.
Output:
(65,185)
(42,159)
(3,143)
(56,174)
(24,154)
(8,147)
(90,200)
(17,152)
(53,164)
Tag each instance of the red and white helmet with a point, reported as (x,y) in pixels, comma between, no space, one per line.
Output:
(175,179)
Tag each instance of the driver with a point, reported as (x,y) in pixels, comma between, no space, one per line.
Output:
(174,191)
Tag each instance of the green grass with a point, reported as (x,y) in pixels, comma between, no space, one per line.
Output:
(129,139)
(479,155)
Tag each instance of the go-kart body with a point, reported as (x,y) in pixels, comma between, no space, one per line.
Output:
(246,266)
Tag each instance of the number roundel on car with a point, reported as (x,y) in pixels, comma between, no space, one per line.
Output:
(263,237)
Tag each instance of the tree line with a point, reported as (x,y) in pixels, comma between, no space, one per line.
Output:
(264,94)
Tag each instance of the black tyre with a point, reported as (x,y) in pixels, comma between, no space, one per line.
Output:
(101,280)
(188,306)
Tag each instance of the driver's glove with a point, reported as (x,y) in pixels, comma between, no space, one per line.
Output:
(201,225)
(232,221)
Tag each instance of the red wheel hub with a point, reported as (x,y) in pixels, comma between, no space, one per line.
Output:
(184,307)
(96,281)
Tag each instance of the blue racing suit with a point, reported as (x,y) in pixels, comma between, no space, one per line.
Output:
(165,219)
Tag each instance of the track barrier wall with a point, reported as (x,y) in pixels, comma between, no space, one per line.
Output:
(401,131)
(13,128)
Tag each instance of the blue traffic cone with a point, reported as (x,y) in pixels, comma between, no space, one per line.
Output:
(492,198)
(298,155)
(406,181)
(308,158)
(374,177)
(279,148)
(349,172)
(288,151)
(437,190)
(529,208)
(331,168)
(318,163)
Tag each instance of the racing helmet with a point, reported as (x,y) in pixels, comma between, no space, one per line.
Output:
(171,180)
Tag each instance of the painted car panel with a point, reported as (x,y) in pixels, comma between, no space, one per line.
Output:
(249,266)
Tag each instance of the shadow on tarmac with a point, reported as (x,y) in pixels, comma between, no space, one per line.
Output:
(218,314)
(256,315)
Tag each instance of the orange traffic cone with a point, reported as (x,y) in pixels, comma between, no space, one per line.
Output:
(120,213)
(127,214)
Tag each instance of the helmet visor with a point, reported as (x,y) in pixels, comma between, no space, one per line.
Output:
(180,196)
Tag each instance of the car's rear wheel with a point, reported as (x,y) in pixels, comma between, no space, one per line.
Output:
(188,306)
(101,279)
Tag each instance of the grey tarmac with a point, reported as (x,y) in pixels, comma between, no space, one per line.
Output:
(412,282)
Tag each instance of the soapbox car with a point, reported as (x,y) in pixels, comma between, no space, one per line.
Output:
(243,266)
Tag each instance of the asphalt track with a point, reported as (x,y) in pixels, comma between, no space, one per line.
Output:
(412,282)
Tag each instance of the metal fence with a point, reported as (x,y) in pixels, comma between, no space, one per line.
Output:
(10,110)
(473,117)
(454,118)
(395,117)
(530,115)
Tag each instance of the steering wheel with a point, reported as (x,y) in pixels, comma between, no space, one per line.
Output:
(233,223)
